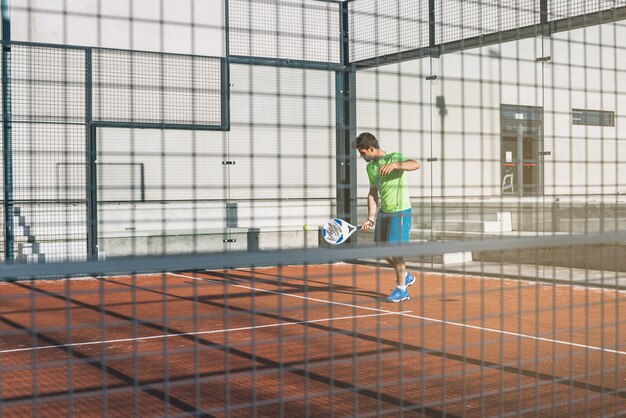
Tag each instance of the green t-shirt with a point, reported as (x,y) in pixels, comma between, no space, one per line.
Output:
(392,188)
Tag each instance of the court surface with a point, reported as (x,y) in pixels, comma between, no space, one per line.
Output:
(310,340)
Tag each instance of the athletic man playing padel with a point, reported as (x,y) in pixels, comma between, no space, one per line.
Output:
(393,220)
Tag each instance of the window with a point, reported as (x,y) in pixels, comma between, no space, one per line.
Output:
(593,117)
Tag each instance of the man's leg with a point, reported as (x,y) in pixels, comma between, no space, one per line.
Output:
(398,233)
(395,229)
(399,266)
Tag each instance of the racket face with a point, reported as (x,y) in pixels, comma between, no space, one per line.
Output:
(336,231)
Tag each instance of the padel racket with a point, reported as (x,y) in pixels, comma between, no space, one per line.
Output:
(337,231)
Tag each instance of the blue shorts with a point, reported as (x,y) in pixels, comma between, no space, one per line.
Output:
(394,227)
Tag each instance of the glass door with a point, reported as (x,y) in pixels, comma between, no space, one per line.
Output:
(521,148)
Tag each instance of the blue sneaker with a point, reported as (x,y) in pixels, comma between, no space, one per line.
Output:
(398,295)
(410,279)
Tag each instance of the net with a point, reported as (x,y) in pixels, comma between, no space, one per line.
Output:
(168,170)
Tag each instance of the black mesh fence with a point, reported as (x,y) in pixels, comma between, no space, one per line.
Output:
(173,173)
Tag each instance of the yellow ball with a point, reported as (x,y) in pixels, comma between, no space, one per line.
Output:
(306,227)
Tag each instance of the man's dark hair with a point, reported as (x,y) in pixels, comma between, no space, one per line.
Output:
(365,140)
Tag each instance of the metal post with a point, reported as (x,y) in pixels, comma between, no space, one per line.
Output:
(225,73)
(7,132)
(440,103)
(345,117)
(543,15)
(225,93)
(90,160)
(431,26)
(520,157)
(556,215)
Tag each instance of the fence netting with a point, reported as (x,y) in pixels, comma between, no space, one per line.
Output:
(168,171)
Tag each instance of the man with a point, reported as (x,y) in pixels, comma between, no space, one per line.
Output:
(393,220)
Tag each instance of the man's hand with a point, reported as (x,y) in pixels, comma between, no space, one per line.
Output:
(388,168)
(408,165)
(367,225)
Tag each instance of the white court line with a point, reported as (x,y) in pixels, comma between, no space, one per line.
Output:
(203,279)
(184,334)
(516,334)
(423,318)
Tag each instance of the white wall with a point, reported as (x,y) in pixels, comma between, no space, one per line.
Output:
(292,29)
(282,140)
(181,26)
(283,120)
(282,136)
(587,71)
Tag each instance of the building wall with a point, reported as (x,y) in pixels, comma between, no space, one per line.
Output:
(587,71)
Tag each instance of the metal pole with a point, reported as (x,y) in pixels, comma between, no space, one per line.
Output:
(431,27)
(91,160)
(7,132)
(345,117)
(225,73)
(440,103)
(520,157)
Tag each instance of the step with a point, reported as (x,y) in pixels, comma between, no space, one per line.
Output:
(468,215)
(57,236)
(52,251)
(29,248)
(457,258)
(503,223)
(460,225)
(451,258)
(31,258)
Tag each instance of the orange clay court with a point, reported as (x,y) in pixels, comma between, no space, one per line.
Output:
(314,340)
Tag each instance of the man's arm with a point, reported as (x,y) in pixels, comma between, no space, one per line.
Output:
(408,165)
(372,209)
